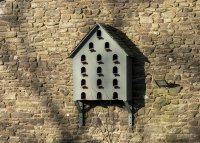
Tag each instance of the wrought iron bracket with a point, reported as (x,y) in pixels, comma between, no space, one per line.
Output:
(80,107)
(130,113)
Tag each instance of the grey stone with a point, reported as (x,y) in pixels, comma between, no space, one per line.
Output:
(161,101)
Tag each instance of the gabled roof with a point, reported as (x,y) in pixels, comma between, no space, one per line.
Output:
(115,34)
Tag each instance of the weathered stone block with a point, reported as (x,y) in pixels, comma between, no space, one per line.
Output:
(37,121)
(14,139)
(10,96)
(23,59)
(4,114)
(39,39)
(2,68)
(160,102)
(21,115)
(161,91)
(168,14)
(33,65)
(173,130)
(193,123)
(9,34)
(154,129)
(14,40)
(194,106)
(3,138)
(171,138)
(26,25)
(52,13)
(4,23)
(6,8)
(194,130)
(84,29)
(87,12)
(146,20)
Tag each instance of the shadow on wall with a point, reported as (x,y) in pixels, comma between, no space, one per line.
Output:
(33,79)
(138,71)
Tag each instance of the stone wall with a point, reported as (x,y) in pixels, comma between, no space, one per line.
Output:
(36,37)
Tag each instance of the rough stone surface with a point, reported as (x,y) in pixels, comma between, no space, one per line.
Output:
(36,38)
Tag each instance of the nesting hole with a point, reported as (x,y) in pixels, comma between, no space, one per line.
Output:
(99,96)
(83,59)
(99,59)
(91,47)
(115,71)
(83,71)
(115,83)
(83,95)
(107,46)
(83,83)
(115,95)
(99,34)
(99,71)
(115,59)
(99,83)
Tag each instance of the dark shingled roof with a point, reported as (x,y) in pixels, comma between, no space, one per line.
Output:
(114,33)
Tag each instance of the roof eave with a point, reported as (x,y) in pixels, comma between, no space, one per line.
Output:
(83,41)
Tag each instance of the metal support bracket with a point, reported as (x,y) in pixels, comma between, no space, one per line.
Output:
(80,107)
(130,113)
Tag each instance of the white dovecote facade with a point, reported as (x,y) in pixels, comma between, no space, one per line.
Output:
(102,67)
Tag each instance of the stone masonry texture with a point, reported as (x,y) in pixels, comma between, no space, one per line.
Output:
(36,38)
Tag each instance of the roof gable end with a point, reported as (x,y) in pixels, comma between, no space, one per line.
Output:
(112,32)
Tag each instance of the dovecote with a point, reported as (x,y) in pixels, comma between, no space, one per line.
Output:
(102,67)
